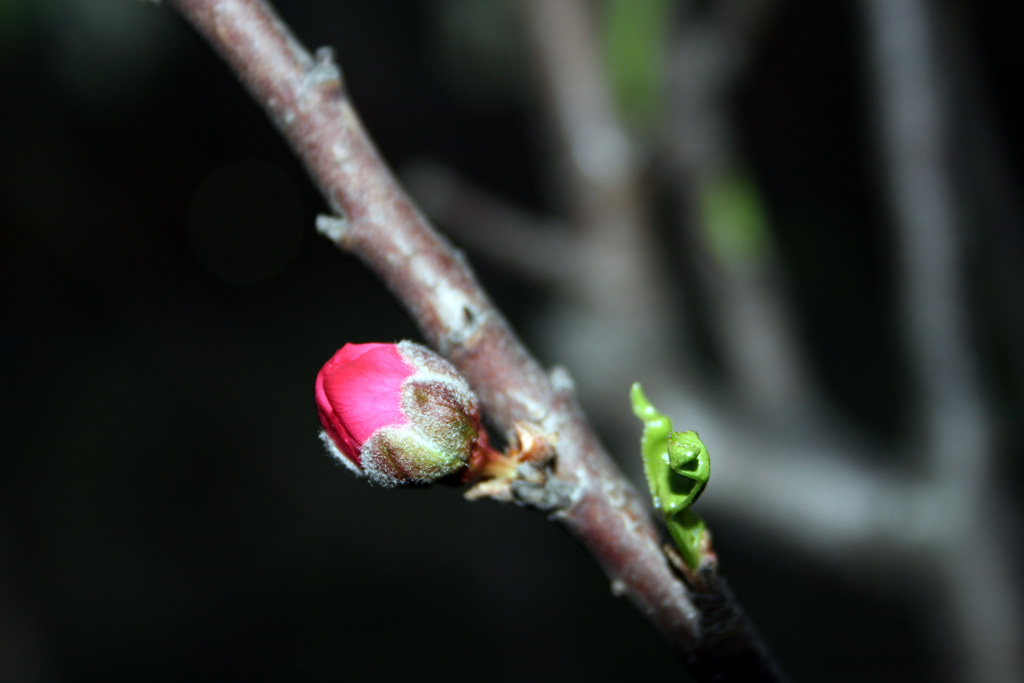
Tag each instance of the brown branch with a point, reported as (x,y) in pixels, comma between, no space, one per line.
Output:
(304,98)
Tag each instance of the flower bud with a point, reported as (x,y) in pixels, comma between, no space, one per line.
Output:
(397,413)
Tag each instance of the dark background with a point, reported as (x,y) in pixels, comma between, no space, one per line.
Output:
(166,510)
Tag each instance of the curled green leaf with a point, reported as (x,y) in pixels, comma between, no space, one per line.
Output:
(677,467)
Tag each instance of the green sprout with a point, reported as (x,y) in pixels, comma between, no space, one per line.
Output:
(677,467)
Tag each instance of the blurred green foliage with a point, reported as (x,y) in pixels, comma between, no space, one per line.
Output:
(636,38)
(733,220)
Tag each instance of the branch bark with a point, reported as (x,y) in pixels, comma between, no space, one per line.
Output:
(304,98)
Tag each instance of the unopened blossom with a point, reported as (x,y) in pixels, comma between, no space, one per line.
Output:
(398,413)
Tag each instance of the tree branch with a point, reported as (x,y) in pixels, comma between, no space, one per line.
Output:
(954,427)
(538,249)
(304,98)
(913,137)
(724,218)
(622,282)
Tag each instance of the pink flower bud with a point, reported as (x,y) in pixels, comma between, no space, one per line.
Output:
(398,413)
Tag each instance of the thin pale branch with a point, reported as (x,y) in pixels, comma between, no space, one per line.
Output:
(983,174)
(955,430)
(751,313)
(540,250)
(933,298)
(622,281)
(304,98)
